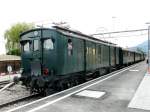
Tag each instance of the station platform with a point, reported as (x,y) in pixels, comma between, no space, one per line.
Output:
(115,92)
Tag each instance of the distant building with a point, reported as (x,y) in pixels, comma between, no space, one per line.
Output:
(9,60)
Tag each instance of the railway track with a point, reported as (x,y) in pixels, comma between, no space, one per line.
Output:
(19,100)
(4,82)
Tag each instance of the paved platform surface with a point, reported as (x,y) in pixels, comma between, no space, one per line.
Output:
(141,98)
(117,90)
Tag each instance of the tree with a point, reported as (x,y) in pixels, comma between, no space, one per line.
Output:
(12,37)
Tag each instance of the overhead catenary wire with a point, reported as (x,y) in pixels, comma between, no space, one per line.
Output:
(125,31)
(118,36)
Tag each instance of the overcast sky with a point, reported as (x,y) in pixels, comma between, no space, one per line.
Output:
(87,16)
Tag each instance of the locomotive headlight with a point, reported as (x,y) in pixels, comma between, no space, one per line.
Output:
(35,33)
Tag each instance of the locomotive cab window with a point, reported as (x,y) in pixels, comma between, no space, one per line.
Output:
(26,46)
(70,47)
(36,45)
(48,44)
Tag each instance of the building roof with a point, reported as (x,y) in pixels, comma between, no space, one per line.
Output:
(9,57)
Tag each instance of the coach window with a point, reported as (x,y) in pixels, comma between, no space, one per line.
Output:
(94,52)
(99,52)
(70,47)
(26,47)
(36,45)
(48,44)
(87,50)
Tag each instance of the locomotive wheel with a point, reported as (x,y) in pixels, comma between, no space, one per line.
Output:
(48,91)
(96,74)
(68,85)
(60,86)
(75,82)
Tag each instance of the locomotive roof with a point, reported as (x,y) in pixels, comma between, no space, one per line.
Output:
(73,33)
(70,32)
(33,30)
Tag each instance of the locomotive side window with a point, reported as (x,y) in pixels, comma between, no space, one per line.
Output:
(70,47)
(26,47)
(36,45)
(48,44)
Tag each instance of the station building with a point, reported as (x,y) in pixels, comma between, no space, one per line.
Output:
(9,60)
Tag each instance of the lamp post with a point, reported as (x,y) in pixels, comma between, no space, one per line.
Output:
(148,48)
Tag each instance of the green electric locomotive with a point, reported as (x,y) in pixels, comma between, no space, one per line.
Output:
(59,58)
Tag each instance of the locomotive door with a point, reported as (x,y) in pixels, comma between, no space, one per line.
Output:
(36,57)
(49,55)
